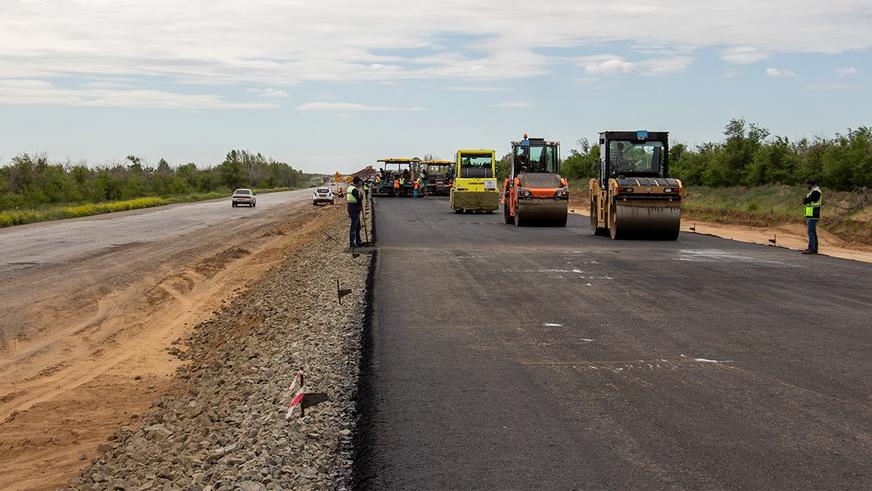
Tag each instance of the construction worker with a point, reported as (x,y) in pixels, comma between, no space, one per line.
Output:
(396,187)
(416,188)
(354,200)
(812,203)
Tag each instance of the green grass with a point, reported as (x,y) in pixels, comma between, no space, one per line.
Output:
(9,218)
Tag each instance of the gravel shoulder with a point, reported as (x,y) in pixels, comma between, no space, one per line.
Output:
(222,424)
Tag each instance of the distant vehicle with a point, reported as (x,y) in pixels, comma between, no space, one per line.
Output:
(439,177)
(323,195)
(243,197)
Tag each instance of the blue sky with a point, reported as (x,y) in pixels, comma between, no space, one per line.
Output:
(338,84)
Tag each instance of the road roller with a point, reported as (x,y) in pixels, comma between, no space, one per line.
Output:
(634,197)
(475,182)
(534,194)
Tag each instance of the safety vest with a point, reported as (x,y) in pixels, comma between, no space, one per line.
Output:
(396,184)
(351,199)
(810,208)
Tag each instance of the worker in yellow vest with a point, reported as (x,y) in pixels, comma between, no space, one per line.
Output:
(354,200)
(812,207)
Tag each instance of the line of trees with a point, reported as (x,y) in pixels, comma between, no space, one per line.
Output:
(750,156)
(29,181)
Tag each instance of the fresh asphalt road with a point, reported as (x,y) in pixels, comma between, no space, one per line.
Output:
(506,357)
(59,241)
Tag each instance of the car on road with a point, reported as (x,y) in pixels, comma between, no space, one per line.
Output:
(322,196)
(243,196)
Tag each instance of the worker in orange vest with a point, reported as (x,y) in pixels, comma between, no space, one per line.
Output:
(396,187)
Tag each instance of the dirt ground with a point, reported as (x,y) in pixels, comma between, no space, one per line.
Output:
(94,343)
(790,236)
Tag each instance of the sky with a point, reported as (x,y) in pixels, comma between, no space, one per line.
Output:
(332,85)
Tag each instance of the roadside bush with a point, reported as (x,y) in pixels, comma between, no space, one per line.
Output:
(32,182)
(749,156)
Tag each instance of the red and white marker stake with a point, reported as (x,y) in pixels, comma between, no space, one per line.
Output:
(296,397)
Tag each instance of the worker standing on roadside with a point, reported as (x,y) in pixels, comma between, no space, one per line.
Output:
(416,187)
(812,202)
(354,200)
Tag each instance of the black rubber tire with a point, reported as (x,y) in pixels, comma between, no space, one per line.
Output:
(458,210)
(614,232)
(600,231)
(507,217)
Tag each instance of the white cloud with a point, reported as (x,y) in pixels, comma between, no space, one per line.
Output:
(665,65)
(351,106)
(847,72)
(513,105)
(270,43)
(608,66)
(743,55)
(775,72)
(616,65)
(268,92)
(29,92)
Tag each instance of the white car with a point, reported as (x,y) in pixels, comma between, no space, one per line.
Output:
(243,196)
(323,195)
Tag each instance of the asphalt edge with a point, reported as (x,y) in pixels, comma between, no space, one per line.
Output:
(364,397)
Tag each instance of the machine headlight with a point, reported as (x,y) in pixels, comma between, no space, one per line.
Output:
(562,193)
(668,190)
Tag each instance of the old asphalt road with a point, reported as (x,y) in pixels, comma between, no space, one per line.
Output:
(508,357)
(60,241)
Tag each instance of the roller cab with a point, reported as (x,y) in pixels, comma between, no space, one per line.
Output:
(634,197)
(534,193)
(475,183)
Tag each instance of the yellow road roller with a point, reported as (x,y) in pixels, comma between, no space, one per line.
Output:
(634,197)
(475,182)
